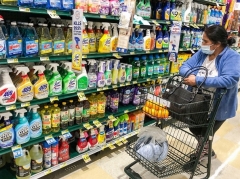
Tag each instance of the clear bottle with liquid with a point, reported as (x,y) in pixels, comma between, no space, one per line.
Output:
(58,41)
(23,165)
(101,104)
(45,42)
(36,154)
(71,113)
(52,30)
(93,106)
(64,116)
(46,120)
(68,44)
(55,118)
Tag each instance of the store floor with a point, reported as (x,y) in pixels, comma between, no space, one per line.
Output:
(226,145)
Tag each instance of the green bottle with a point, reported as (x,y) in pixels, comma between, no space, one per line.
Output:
(135,68)
(162,65)
(166,66)
(156,65)
(143,66)
(55,82)
(70,80)
(150,63)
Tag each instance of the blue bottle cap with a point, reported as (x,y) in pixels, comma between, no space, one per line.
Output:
(136,58)
(150,57)
(144,57)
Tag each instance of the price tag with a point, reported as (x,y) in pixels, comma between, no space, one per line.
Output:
(66,134)
(112,118)
(119,143)
(124,140)
(81,96)
(25,104)
(103,16)
(147,51)
(55,98)
(84,56)
(168,22)
(134,82)
(126,111)
(44,58)
(116,55)
(181,49)
(11,107)
(105,88)
(104,146)
(114,86)
(111,146)
(155,22)
(50,140)
(137,26)
(48,171)
(132,53)
(127,83)
(160,51)
(64,164)
(99,89)
(122,84)
(24,9)
(165,50)
(97,123)
(17,151)
(86,158)
(53,14)
(148,79)
(192,51)
(87,126)
(12,60)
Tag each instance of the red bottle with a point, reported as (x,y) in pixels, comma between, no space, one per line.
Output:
(54,151)
(92,140)
(63,151)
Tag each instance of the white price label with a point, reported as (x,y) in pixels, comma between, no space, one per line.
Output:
(86,158)
(97,123)
(25,104)
(87,126)
(112,118)
(44,58)
(103,16)
(66,134)
(50,140)
(81,96)
(12,60)
(53,14)
(11,107)
(24,9)
(55,98)
(17,151)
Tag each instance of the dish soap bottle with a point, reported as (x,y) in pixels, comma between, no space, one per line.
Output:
(36,154)
(46,120)
(114,39)
(55,118)
(93,106)
(105,41)
(92,37)
(70,80)
(45,42)
(35,122)
(101,104)
(55,82)
(23,165)
(82,79)
(58,41)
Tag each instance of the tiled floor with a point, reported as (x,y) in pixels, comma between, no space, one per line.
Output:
(227,165)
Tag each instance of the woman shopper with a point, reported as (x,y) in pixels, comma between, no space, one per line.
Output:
(223,66)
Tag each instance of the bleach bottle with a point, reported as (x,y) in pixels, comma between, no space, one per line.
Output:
(22,129)
(35,122)
(14,42)
(55,82)
(70,80)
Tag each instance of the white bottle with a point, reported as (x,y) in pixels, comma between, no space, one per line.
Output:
(8,93)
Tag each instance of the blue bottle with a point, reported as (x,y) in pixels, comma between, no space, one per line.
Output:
(132,42)
(35,123)
(67,5)
(159,40)
(166,11)
(54,4)
(25,3)
(30,42)
(40,3)
(139,41)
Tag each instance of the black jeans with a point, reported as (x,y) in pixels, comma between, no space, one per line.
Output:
(200,131)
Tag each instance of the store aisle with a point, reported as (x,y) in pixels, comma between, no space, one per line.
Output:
(226,145)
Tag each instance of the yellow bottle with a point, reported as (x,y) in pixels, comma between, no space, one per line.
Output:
(85,42)
(93,106)
(114,39)
(99,34)
(46,120)
(147,41)
(55,118)
(101,104)
(23,165)
(36,154)
(105,41)
(92,37)
(24,86)
(41,87)
(68,44)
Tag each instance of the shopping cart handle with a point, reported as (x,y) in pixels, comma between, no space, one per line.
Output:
(131,173)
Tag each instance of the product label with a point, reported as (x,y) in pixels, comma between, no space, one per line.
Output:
(159,44)
(47,157)
(93,82)
(57,87)
(42,90)
(40,2)
(86,112)
(58,46)
(7,95)
(67,4)
(55,4)
(150,71)
(46,47)
(27,92)
(135,72)
(114,103)
(23,171)
(101,107)
(92,44)
(93,109)
(46,120)
(69,46)
(71,85)
(64,116)
(35,127)
(143,72)
(36,164)
(15,47)
(2,47)
(83,83)
(55,119)
(78,111)
(161,69)
(126,97)
(6,138)
(71,113)
(54,155)
(23,133)
(31,47)
(156,69)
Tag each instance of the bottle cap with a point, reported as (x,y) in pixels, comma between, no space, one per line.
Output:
(46,107)
(55,105)
(63,103)
(71,101)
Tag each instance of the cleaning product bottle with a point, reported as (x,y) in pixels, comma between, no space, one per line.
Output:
(148,10)
(23,165)
(165,43)
(140,41)
(14,42)
(92,76)
(85,41)
(86,111)
(166,11)
(55,82)
(64,116)
(35,122)
(114,101)
(55,152)
(93,106)
(53,4)
(9,3)
(99,34)
(47,155)
(25,3)
(78,111)
(40,87)
(2,160)
(109,131)
(125,95)
(30,42)
(108,73)
(67,5)
(7,135)
(92,141)
(45,42)
(68,43)
(147,41)
(166,65)
(114,39)
(100,76)
(24,87)
(173,11)
(156,65)
(2,44)
(128,72)
(150,63)
(135,65)
(158,10)
(82,145)
(70,80)
(82,78)
(162,65)
(122,73)
(22,129)
(63,150)
(105,41)
(58,41)
(36,154)
(159,40)
(71,113)
(46,120)
(115,71)
(132,42)
(8,93)
(140,8)
(143,66)
(101,104)
(55,118)
(92,37)
(101,136)
(116,128)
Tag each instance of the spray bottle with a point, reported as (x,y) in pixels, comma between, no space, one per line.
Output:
(55,82)
(108,73)
(92,74)
(82,78)
(99,33)
(139,45)
(115,72)
(85,41)
(122,73)
(100,76)
(92,141)
(35,122)
(147,41)
(92,37)
(76,55)
(7,136)
(105,41)
(24,87)
(114,39)
(70,80)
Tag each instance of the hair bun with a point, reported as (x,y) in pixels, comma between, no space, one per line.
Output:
(231,41)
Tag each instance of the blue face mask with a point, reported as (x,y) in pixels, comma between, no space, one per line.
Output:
(207,49)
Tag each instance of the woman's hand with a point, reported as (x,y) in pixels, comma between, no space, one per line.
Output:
(190,80)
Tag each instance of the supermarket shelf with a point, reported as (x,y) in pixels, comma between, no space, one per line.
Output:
(66,96)
(75,156)
(156,21)
(122,110)
(209,2)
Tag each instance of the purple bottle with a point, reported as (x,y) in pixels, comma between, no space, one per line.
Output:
(137,96)
(114,101)
(125,95)
(132,89)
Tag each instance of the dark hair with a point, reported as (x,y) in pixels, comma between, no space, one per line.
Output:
(217,33)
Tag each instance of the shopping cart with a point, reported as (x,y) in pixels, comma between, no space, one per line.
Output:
(183,149)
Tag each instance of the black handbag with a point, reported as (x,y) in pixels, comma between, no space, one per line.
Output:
(190,105)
